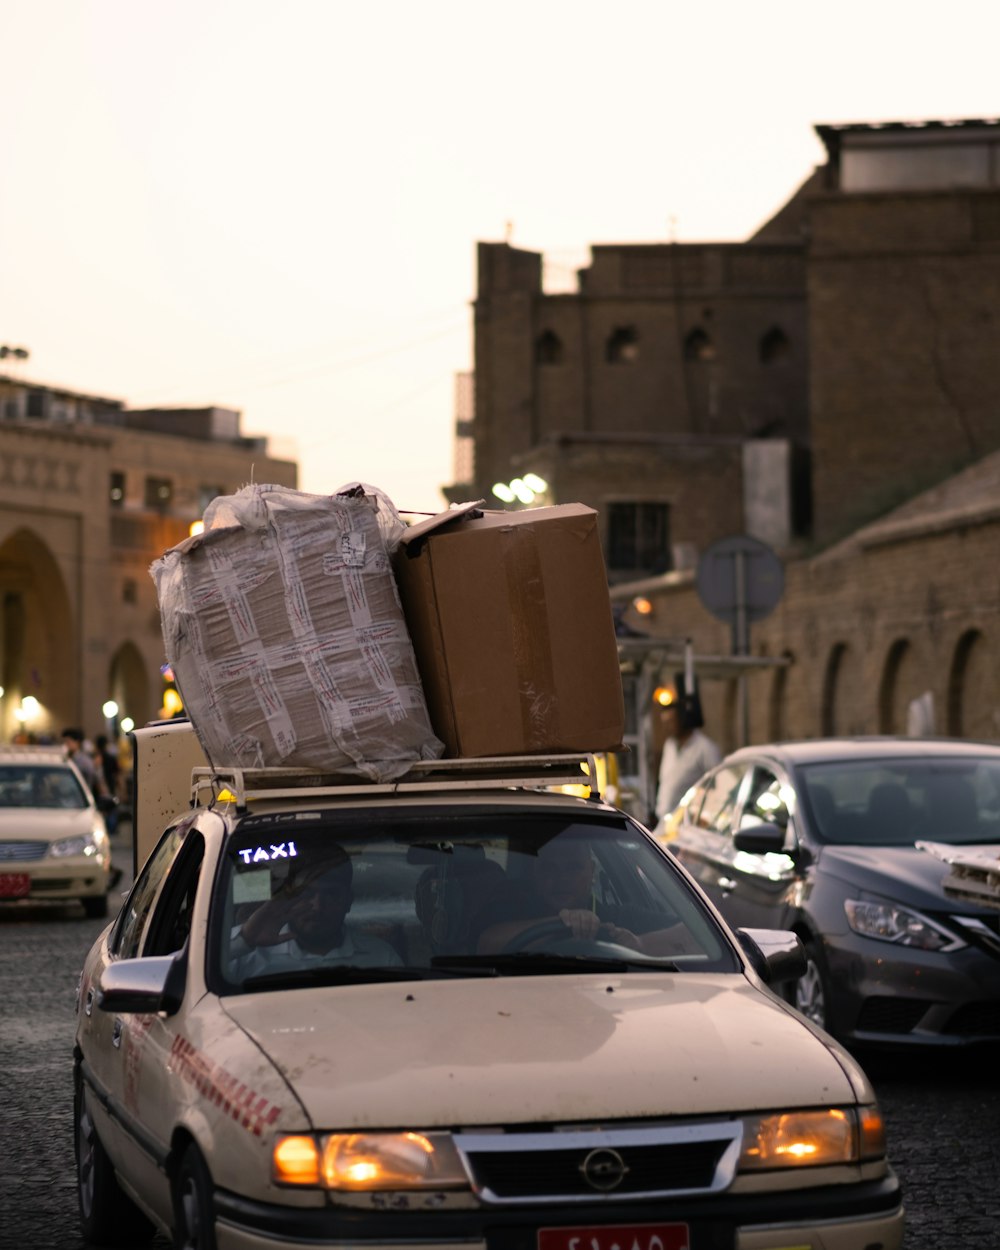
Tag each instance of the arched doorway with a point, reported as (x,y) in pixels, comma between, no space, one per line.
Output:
(777,718)
(38,641)
(971,713)
(892,701)
(128,685)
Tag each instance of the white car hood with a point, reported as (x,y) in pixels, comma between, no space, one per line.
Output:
(423,1054)
(49,824)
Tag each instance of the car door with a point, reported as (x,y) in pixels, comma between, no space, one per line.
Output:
(704,843)
(762,885)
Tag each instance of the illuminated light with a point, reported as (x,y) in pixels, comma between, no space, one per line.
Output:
(295,1161)
(872,1132)
(127,725)
(536,483)
(196,527)
(1,692)
(172,703)
(522,491)
(503,492)
(664,696)
(110,709)
(800,1139)
(381,1161)
(643,606)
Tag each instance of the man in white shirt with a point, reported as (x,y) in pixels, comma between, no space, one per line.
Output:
(305,925)
(687,752)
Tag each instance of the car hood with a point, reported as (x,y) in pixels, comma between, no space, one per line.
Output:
(427,1054)
(28,824)
(902,873)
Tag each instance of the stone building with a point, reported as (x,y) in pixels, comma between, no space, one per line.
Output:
(90,494)
(831,387)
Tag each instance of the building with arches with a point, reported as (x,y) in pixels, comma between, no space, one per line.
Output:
(91,493)
(831,386)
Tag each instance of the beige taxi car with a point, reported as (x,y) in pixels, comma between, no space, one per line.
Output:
(54,844)
(462,1010)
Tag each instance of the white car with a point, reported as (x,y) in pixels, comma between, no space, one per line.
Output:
(54,844)
(461,1010)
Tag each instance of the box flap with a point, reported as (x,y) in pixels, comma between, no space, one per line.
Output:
(415,532)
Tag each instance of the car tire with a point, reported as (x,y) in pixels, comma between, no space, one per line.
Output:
(194,1203)
(108,1217)
(810,994)
(95,907)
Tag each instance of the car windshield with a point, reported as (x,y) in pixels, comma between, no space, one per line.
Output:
(40,786)
(896,802)
(435,894)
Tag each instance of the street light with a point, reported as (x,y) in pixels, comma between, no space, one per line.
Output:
(523,490)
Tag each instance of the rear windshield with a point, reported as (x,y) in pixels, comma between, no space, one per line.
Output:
(441,895)
(40,786)
(900,801)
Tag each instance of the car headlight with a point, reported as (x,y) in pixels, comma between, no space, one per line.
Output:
(794,1139)
(84,844)
(369,1161)
(888,922)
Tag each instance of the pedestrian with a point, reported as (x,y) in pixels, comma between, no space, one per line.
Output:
(73,741)
(688,752)
(106,754)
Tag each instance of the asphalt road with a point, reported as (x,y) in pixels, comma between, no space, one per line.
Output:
(942,1111)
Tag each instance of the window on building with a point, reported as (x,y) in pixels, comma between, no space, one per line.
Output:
(639,537)
(698,346)
(159,492)
(622,347)
(774,345)
(548,348)
(36,404)
(130,591)
(116,490)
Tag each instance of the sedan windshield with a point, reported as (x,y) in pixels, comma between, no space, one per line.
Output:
(27,786)
(896,802)
(437,894)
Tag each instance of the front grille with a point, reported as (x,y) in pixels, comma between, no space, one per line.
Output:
(975,1020)
(596,1165)
(22,850)
(891,1015)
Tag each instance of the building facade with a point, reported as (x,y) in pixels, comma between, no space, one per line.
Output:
(831,387)
(91,493)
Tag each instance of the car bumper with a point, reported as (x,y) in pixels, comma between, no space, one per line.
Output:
(56,879)
(888,995)
(832,1218)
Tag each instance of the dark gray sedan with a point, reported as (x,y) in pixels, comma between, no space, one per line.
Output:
(852,843)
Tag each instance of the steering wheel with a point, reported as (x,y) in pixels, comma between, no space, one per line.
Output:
(534,933)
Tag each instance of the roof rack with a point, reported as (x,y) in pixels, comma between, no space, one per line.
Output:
(492,773)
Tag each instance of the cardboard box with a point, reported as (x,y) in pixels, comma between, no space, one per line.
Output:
(511,622)
(285,633)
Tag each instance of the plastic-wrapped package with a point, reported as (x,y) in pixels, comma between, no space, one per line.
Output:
(284,630)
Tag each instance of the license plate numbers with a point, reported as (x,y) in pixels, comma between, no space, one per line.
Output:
(620,1237)
(14,884)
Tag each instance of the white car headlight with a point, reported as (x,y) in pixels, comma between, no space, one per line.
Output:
(84,844)
(369,1161)
(888,922)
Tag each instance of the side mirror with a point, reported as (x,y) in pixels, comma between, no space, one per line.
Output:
(776,955)
(763,839)
(152,984)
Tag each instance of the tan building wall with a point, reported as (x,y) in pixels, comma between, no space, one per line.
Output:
(79,620)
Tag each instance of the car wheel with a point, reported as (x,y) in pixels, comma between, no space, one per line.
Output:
(95,907)
(108,1217)
(809,993)
(194,1205)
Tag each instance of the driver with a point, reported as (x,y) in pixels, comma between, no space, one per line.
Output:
(559,887)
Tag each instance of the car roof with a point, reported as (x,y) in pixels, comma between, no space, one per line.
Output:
(34,755)
(872,747)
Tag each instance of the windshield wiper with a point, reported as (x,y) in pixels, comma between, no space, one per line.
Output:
(547,961)
(352,974)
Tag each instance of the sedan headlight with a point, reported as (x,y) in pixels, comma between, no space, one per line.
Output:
(888,922)
(794,1139)
(84,844)
(369,1161)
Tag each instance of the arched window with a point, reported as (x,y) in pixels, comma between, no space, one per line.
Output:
(828,709)
(970,682)
(548,348)
(774,345)
(622,347)
(698,346)
(891,715)
(778,703)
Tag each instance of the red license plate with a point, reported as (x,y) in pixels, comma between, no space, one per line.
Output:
(620,1237)
(14,884)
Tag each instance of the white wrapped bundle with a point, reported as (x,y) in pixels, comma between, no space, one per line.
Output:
(284,630)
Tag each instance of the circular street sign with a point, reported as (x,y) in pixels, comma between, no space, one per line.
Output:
(737,564)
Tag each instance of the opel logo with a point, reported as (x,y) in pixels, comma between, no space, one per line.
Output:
(604,1169)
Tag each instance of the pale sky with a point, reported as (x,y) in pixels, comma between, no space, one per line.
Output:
(273,205)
